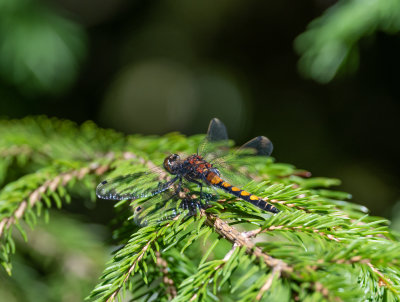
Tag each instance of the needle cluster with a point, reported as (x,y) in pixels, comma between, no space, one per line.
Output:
(319,247)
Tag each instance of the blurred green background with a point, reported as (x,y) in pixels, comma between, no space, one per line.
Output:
(320,78)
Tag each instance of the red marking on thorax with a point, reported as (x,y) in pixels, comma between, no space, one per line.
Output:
(200,164)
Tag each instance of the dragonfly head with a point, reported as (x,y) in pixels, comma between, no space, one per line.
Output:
(171,163)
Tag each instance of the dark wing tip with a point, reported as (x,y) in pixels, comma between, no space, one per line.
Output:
(217,130)
(99,189)
(266,146)
(261,146)
(215,123)
(103,193)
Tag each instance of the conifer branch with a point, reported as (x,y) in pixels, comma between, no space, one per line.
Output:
(50,185)
(62,179)
(276,272)
(240,239)
(319,247)
(129,272)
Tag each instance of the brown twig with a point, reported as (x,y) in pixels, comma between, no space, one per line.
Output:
(169,283)
(133,265)
(236,237)
(63,179)
(131,268)
(15,150)
(52,185)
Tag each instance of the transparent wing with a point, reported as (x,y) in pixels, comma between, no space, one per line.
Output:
(235,166)
(259,146)
(163,207)
(133,186)
(216,143)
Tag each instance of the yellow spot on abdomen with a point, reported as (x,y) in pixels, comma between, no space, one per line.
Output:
(226,185)
(245,193)
(235,189)
(215,180)
(254,197)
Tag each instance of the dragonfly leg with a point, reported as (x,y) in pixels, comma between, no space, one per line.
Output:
(201,191)
(200,186)
(179,188)
(204,196)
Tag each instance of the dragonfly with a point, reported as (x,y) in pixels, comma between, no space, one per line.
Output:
(205,169)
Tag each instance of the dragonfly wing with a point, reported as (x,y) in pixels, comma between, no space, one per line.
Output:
(259,145)
(216,143)
(133,186)
(163,207)
(216,131)
(234,167)
(231,173)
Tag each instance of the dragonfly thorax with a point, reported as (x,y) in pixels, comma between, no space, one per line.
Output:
(172,163)
(196,167)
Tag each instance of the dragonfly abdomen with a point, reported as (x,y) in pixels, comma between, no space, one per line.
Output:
(217,181)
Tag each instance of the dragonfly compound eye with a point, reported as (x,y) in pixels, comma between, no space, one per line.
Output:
(171,163)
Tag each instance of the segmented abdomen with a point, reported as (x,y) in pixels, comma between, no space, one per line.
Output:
(217,181)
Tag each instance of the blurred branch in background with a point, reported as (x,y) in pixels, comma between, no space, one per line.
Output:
(330,43)
(396,217)
(60,263)
(40,50)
